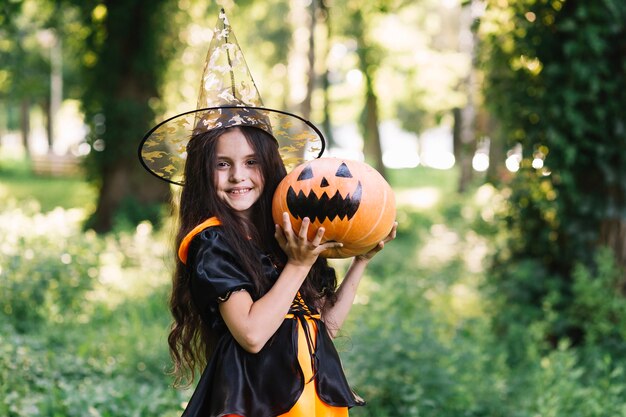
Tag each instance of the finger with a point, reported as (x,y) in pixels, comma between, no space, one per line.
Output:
(279,235)
(378,247)
(394,229)
(304,228)
(392,233)
(329,245)
(286,223)
(317,239)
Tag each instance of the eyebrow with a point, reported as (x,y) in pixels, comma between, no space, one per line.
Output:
(252,155)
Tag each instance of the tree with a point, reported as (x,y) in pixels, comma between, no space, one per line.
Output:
(25,76)
(556,82)
(124,60)
(356,17)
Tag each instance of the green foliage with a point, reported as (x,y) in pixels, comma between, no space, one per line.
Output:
(555,80)
(45,268)
(419,340)
(83,319)
(125,49)
(599,305)
(25,70)
(37,378)
(122,49)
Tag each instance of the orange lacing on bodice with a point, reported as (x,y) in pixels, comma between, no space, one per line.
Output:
(299,306)
(301,311)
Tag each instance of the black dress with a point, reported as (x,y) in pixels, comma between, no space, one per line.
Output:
(267,383)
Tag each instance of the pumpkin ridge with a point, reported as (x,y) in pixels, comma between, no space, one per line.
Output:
(374,224)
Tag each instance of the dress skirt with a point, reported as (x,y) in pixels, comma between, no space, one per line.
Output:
(309,404)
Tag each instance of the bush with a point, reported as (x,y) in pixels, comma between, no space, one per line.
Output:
(599,303)
(46,267)
(84,319)
(38,381)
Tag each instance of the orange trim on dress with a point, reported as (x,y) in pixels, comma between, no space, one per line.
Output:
(309,404)
(184,245)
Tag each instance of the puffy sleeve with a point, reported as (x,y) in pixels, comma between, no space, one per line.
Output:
(215,272)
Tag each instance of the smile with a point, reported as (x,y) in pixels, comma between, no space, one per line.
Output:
(239,191)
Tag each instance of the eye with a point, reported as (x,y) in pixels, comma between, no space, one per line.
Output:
(222,164)
(343,171)
(252,162)
(306,174)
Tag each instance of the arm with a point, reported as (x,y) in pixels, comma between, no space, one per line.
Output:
(335,315)
(252,323)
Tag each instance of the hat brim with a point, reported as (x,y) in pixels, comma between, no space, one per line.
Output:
(163,150)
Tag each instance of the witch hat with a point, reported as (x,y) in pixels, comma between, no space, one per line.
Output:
(228,97)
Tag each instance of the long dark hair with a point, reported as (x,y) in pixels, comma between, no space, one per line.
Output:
(190,340)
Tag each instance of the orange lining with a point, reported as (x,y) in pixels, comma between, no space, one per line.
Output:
(184,245)
(309,404)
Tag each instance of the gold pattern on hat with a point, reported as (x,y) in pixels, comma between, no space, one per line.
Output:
(228,97)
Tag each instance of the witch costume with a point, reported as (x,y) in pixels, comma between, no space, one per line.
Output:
(298,372)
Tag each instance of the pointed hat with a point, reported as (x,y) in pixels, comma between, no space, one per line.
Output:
(228,97)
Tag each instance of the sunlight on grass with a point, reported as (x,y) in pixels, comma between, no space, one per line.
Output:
(421,198)
(133,265)
(19,184)
(441,246)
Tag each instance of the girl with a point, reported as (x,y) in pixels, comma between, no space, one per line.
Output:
(252,301)
(253,297)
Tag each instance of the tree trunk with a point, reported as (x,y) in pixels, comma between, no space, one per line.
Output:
(301,67)
(466,118)
(497,152)
(369,119)
(127,82)
(327,122)
(310,82)
(613,235)
(371,133)
(25,125)
(122,184)
(463,139)
(49,124)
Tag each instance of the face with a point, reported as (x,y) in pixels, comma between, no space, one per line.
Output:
(238,176)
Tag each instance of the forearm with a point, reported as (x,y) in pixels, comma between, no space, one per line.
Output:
(335,315)
(252,324)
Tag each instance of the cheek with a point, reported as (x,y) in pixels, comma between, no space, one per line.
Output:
(219,179)
(257,178)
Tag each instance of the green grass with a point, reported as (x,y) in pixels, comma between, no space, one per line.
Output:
(445,180)
(20,184)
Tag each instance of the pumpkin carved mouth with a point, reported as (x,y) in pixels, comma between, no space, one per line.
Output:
(323,207)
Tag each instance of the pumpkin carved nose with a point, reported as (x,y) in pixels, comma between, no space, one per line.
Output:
(324,182)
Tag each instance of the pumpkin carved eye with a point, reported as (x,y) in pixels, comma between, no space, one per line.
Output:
(306,174)
(343,171)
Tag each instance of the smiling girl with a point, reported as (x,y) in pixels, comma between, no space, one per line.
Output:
(253,304)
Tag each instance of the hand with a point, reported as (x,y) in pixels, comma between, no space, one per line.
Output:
(299,250)
(369,255)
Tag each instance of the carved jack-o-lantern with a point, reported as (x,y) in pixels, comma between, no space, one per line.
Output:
(350,199)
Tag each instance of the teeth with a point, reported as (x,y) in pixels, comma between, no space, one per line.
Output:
(239,191)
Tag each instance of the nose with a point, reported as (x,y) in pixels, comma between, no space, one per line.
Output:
(237,174)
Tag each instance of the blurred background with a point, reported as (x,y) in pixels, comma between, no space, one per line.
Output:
(500,124)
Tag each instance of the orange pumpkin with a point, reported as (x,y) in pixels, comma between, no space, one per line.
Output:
(350,199)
